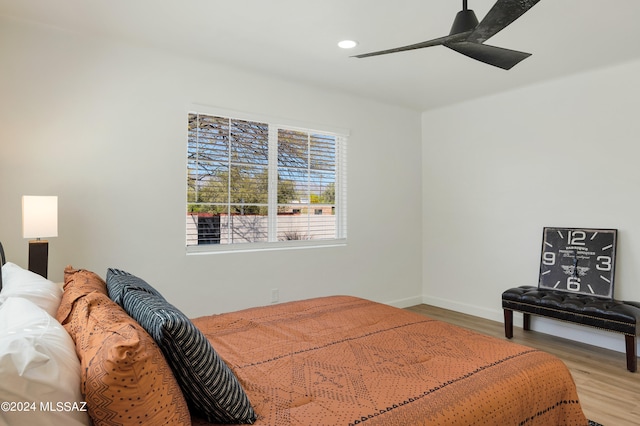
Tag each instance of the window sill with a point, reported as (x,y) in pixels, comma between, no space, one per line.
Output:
(253,247)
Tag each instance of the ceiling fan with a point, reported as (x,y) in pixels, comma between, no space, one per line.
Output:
(467,36)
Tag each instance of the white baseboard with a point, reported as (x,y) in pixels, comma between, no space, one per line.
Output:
(575,332)
(477,311)
(405,303)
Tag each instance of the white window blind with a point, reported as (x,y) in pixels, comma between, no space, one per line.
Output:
(258,185)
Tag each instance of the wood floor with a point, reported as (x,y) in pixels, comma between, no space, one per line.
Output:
(608,392)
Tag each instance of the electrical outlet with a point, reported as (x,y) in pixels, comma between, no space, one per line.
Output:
(275,295)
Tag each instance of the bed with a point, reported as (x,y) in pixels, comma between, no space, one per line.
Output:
(337,360)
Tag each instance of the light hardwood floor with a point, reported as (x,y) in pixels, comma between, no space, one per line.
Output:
(608,392)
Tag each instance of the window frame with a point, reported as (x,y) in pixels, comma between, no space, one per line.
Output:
(274,124)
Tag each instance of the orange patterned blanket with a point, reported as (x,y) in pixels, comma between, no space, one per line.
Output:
(344,361)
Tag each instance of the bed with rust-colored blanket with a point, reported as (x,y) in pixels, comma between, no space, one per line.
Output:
(343,361)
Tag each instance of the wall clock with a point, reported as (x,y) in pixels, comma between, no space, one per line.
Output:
(579,260)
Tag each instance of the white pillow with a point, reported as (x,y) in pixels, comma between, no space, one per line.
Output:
(18,282)
(39,368)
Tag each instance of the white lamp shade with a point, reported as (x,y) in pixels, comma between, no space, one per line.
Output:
(39,216)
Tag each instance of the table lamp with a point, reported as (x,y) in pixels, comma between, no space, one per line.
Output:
(39,220)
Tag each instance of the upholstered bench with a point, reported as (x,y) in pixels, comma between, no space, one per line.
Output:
(606,314)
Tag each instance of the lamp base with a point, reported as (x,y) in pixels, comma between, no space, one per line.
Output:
(39,256)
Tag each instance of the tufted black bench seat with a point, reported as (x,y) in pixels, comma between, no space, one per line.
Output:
(607,314)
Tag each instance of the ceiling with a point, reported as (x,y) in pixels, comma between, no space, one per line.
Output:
(297,40)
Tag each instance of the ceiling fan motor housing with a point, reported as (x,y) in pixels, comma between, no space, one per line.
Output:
(465,21)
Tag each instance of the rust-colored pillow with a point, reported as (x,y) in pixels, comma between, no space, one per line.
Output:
(78,283)
(125,377)
(83,280)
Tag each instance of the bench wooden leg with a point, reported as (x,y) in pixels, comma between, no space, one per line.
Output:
(508,323)
(632,359)
(526,321)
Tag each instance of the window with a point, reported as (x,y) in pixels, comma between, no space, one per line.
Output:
(252,184)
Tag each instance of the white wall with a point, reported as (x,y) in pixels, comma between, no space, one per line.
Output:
(499,169)
(102,124)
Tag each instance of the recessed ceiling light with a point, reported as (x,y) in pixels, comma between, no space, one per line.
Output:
(347,44)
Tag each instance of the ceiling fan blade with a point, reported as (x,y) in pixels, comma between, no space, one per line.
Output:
(503,13)
(496,56)
(435,42)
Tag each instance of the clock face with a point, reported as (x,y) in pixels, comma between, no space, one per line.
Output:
(578,260)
